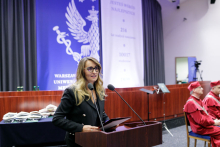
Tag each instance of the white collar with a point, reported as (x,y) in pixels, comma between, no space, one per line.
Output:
(195,96)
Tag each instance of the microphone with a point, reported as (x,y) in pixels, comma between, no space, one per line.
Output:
(90,86)
(112,88)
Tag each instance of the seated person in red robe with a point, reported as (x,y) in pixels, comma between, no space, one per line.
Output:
(212,100)
(200,121)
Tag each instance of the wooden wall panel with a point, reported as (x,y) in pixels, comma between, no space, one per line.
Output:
(30,93)
(114,106)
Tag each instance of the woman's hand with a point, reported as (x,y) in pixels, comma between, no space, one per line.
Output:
(88,128)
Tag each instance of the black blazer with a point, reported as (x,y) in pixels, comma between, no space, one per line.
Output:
(76,116)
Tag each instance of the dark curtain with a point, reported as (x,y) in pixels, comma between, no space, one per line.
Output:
(154,71)
(18,63)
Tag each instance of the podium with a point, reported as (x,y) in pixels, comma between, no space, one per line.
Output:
(129,135)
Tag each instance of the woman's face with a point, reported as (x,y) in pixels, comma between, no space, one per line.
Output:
(91,71)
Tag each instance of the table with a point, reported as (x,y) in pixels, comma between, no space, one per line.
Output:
(30,133)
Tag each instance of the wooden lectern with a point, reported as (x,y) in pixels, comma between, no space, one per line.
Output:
(134,134)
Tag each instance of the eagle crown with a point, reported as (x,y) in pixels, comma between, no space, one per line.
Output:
(93,15)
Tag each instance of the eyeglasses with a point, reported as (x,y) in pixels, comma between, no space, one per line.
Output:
(91,69)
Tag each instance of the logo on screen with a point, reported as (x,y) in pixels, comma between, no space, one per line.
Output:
(76,24)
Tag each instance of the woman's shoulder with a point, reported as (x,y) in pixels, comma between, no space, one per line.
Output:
(70,89)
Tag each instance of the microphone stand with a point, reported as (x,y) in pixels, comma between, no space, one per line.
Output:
(97,111)
(148,101)
(130,107)
(164,123)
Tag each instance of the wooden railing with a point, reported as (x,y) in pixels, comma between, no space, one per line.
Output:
(114,106)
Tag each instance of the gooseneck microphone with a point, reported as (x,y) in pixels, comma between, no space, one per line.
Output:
(90,86)
(112,88)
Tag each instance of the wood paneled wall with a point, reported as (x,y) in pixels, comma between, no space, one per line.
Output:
(114,106)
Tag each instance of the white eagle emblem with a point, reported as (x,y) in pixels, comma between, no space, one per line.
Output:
(75,24)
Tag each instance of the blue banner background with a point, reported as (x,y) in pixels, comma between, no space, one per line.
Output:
(51,56)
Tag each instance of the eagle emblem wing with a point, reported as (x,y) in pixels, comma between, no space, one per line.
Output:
(76,23)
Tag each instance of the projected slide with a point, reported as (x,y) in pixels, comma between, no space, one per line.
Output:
(122,43)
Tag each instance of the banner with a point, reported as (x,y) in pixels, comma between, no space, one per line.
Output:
(67,30)
(122,43)
(192,69)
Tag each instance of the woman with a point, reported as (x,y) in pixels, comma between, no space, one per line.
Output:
(77,104)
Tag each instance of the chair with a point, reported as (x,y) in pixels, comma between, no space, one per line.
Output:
(194,135)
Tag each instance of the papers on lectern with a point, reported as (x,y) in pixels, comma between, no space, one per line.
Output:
(114,122)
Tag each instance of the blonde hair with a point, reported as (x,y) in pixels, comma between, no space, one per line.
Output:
(80,84)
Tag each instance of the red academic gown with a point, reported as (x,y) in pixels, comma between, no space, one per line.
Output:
(200,122)
(212,106)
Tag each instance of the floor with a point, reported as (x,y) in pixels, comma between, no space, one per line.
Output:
(179,138)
